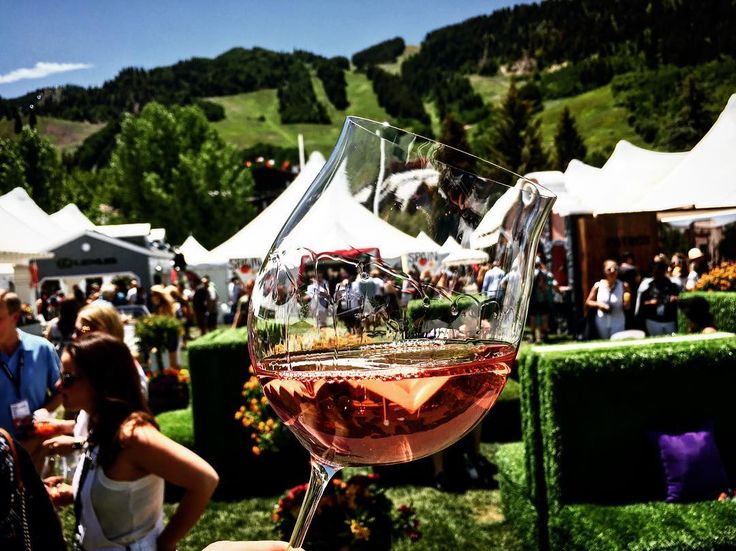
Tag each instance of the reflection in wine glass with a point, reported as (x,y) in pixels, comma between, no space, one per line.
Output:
(361,375)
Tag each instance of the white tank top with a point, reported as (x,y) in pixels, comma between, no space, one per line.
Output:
(127,510)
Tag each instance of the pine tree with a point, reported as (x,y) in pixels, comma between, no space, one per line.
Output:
(503,144)
(32,121)
(569,144)
(17,122)
(453,134)
(533,156)
(691,122)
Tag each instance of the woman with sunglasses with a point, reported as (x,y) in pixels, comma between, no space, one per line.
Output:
(118,488)
(96,317)
(610,297)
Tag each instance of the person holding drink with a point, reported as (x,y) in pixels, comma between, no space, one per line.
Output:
(118,487)
(610,297)
(30,371)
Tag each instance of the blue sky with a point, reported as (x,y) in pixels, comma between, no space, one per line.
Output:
(86,42)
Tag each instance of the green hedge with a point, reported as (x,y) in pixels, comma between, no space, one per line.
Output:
(587,410)
(503,422)
(722,308)
(218,365)
(515,500)
(704,526)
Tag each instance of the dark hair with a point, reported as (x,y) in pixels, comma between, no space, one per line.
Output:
(108,366)
(67,316)
(697,311)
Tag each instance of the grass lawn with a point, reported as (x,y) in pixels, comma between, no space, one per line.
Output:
(470,521)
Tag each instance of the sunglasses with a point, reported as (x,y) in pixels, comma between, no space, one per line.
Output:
(68,379)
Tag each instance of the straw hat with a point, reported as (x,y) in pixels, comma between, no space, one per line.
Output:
(694,253)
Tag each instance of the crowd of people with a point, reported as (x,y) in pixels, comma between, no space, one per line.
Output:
(624,300)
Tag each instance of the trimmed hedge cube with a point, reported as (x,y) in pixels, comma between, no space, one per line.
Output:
(587,411)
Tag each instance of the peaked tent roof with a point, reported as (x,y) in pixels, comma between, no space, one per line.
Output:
(336,221)
(427,242)
(255,239)
(72,218)
(706,178)
(19,203)
(628,174)
(196,255)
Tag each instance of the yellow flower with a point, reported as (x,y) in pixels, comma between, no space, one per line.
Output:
(359,531)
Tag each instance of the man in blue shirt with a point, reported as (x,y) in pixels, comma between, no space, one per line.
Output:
(29,370)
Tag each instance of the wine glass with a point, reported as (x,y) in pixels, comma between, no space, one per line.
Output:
(365,359)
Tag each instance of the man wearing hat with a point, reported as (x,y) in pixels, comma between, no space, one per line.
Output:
(695,256)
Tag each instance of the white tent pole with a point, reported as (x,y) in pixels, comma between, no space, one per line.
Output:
(300,141)
(381,171)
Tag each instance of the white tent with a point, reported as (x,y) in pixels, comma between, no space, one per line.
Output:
(255,239)
(449,246)
(72,218)
(706,178)
(20,204)
(566,203)
(336,221)
(628,174)
(465,257)
(195,253)
(426,243)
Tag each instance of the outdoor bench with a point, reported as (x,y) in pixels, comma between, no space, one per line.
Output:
(587,474)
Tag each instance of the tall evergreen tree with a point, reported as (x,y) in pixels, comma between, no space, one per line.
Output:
(514,141)
(569,143)
(17,122)
(32,120)
(533,156)
(691,122)
(453,134)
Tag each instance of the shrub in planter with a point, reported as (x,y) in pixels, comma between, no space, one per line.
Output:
(353,515)
(156,334)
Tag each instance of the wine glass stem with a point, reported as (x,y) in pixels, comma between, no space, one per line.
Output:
(318,480)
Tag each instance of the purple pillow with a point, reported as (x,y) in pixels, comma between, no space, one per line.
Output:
(692,466)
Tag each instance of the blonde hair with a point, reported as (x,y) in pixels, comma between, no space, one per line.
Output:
(102,317)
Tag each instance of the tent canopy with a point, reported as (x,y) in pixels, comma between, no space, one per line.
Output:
(255,239)
(639,180)
(464,257)
(72,218)
(706,177)
(196,255)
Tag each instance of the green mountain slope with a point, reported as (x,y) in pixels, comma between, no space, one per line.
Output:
(254,117)
(599,120)
(65,135)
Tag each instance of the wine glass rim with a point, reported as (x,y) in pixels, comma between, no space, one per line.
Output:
(359,122)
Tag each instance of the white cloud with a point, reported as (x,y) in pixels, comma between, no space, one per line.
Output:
(40,70)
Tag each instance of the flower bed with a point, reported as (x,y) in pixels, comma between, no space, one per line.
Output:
(352,515)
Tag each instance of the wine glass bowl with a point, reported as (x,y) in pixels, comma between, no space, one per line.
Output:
(367,360)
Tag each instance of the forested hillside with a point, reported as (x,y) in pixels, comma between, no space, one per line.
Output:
(530,87)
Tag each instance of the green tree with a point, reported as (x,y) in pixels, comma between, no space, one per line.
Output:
(514,140)
(691,122)
(453,134)
(32,119)
(569,144)
(12,171)
(42,169)
(533,156)
(17,122)
(171,168)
